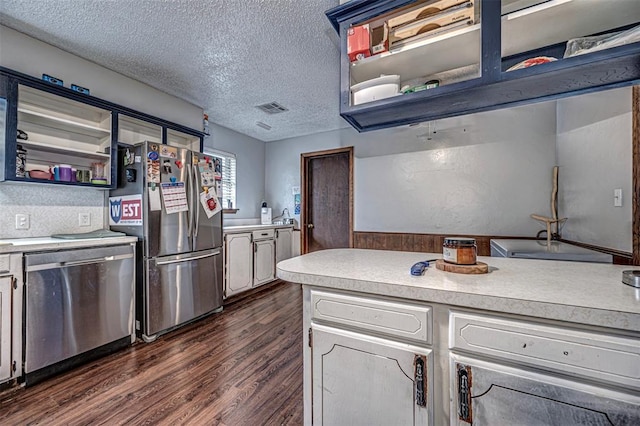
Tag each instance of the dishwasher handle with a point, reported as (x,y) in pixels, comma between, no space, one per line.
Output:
(88,261)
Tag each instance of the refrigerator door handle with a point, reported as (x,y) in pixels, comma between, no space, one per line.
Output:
(190,215)
(187,259)
(196,196)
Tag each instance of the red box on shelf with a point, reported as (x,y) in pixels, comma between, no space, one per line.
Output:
(358,42)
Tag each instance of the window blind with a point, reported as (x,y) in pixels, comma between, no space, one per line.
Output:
(227,187)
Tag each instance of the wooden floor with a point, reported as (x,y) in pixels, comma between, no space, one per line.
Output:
(240,367)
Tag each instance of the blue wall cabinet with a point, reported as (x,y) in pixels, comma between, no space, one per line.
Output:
(45,125)
(475,60)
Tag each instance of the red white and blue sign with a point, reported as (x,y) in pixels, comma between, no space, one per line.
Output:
(125,210)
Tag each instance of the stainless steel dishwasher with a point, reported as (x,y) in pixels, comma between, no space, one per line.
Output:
(79,305)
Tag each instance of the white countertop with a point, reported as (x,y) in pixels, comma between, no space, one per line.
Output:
(48,243)
(585,293)
(244,228)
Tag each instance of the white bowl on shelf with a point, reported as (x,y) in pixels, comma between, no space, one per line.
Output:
(382,87)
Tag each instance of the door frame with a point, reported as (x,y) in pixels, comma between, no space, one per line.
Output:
(635,172)
(305,158)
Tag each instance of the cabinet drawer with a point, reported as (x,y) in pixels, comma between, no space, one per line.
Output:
(580,353)
(263,234)
(397,319)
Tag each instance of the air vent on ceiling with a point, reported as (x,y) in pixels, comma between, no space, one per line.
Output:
(272,108)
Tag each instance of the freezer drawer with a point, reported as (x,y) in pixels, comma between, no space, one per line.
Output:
(77,300)
(181,288)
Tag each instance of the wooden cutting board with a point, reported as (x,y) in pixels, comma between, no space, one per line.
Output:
(478,268)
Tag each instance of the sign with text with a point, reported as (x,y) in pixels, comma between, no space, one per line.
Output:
(125,210)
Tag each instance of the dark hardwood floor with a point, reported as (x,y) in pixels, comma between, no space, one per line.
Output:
(240,367)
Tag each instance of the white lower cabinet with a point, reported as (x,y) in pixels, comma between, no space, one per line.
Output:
(238,263)
(5,327)
(11,291)
(480,367)
(512,371)
(251,257)
(368,360)
(486,393)
(284,244)
(263,262)
(366,380)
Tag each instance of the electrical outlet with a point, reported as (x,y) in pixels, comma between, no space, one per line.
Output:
(22,221)
(84,219)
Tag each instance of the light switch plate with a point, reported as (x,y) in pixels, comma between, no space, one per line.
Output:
(617,197)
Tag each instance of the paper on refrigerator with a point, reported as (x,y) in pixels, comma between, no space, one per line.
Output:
(174,197)
(210,202)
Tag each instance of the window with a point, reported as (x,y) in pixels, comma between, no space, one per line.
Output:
(227,185)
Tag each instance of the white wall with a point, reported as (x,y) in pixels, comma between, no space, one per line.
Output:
(282,170)
(33,57)
(49,206)
(595,157)
(483,174)
(250,166)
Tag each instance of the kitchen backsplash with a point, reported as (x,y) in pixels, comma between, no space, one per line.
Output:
(51,210)
(240,222)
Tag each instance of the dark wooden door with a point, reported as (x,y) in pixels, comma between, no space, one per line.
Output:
(327,199)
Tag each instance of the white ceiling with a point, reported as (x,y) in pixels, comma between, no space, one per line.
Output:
(226,56)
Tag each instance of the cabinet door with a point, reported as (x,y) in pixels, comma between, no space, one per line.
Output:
(239,263)
(491,394)
(5,328)
(364,380)
(284,244)
(264,262)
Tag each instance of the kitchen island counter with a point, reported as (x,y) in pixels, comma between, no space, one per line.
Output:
(577,292)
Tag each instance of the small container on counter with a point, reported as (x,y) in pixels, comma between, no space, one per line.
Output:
(459,250)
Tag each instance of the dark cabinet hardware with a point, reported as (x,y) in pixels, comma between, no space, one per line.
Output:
(464,393)
(420,376)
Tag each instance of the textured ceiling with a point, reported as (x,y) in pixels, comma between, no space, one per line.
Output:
(226,56)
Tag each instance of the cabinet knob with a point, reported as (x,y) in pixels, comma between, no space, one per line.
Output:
(310,226)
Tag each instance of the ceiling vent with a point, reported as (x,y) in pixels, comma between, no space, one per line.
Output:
(272,108)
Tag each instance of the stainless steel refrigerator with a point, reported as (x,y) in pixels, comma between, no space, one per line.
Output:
(165,197)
